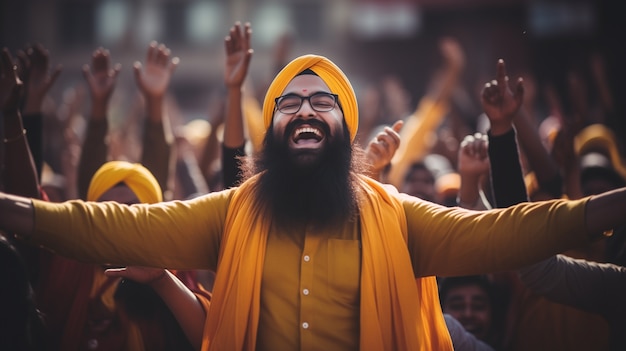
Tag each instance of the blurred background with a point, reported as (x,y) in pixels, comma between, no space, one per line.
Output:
(369,39)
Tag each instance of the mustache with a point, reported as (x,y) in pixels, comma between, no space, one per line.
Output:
(295,124)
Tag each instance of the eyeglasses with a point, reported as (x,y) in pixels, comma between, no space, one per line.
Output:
(320,102)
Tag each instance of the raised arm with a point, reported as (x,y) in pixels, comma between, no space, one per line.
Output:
(19,176)
(101,79)
(473,167)
(501,105)
(38,79)
(238,55)
(430,111)
(153,79)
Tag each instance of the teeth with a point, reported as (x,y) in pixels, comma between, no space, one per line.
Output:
(308,130)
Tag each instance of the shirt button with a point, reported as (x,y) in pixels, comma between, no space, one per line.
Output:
(305,291)
(305,325)
(307,258)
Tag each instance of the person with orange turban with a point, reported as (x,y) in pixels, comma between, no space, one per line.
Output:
(310,253)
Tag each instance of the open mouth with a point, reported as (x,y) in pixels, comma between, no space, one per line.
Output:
(307,135)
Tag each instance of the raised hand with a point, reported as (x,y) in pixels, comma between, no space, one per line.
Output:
(473,160)
(238,54)
(101,79)
(452,52)
(473,167)
(37,77)
(10,84)
(153,77)
(382,147)
(500,103)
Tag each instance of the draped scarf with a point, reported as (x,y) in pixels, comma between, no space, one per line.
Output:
(398,311)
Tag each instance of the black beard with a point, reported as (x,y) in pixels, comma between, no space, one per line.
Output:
(321,194)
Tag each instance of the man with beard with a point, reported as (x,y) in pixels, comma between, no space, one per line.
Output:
(310,253)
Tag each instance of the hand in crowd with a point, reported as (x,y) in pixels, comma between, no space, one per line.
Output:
(101,78)
(500,103)
(473,158)
(452,52)
(10,84)
(153,77)
(238,55)
(35,72)
(382,147)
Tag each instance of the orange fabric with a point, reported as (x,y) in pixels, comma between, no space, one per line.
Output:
(396,313)
(330,74)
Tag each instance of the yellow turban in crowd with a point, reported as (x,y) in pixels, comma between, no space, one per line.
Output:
(598,137)
(137,177)
(330,74)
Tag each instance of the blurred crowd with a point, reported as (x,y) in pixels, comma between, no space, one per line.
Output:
(564,146)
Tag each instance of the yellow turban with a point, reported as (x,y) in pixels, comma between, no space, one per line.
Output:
(330,74)
(599,137)
(137,177)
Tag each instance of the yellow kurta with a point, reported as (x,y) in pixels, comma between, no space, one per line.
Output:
(310,285)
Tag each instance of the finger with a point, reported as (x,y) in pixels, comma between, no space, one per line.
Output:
(247,35)
(86,72)
(162,55)
(152,51)
(228,44)
(116,70)
(501,77)
(137,72)
(391,137)
(397,126)
(173,64)
(247,58)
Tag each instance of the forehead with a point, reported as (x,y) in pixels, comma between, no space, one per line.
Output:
(120,193)
(306,84)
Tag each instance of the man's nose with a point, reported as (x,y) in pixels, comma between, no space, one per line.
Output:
(306,109)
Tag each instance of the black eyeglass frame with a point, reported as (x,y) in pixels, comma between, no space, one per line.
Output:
(302,98)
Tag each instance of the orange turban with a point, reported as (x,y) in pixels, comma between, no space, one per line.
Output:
(137,177)
(330,74)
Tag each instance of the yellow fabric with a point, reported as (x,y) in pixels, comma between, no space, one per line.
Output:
(417,136)
(330,74)
(135,176)
(396,313)
(599,136)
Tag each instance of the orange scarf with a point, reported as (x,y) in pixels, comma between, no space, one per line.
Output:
(396,313)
